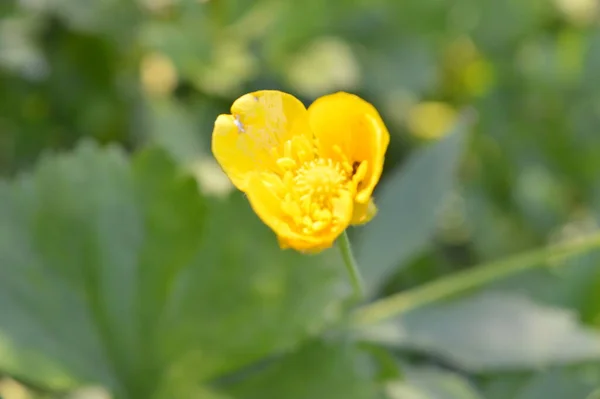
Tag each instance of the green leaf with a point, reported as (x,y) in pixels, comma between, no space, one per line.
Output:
(571,283)
(317,370)
(503,385)
(429,383)
(441,384)
(559,384)
(123,274)
(572,383)
(20,363)
(60,294)
(408,203)
(246,297)
(491,332)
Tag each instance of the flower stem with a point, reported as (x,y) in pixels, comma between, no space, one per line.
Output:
(402,302)
(351,266)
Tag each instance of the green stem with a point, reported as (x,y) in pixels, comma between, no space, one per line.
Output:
(402,302)
(351,266)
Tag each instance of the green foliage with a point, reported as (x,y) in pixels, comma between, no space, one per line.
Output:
(126,276)
(491,332)
(409,199)
(432,383)
(125,262)
(331,370)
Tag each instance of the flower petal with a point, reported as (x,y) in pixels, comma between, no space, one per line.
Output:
(363,212)
(345,122)
(254,135)
(317,242)
(226,144)
(265,192)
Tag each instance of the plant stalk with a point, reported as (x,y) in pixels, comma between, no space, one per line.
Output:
(351,266)
(397,304)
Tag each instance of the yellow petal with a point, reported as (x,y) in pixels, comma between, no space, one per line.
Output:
(363,212)
(266,191)
(345,122)
(226,144)
(253,137)
(314,243)
(303,246)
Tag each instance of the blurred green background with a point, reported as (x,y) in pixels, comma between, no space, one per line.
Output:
(134,74)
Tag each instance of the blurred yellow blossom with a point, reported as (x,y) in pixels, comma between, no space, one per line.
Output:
(430,120)
(11,389)
(158,74)
(579,12)
(326,65)
(156,6)
(90,392)
(468,71)
(308,173)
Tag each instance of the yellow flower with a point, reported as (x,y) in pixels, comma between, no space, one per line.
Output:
(308,173)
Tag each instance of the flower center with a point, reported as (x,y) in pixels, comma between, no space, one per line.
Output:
(317,193)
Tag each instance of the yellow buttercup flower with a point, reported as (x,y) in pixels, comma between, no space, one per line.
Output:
(308,173)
